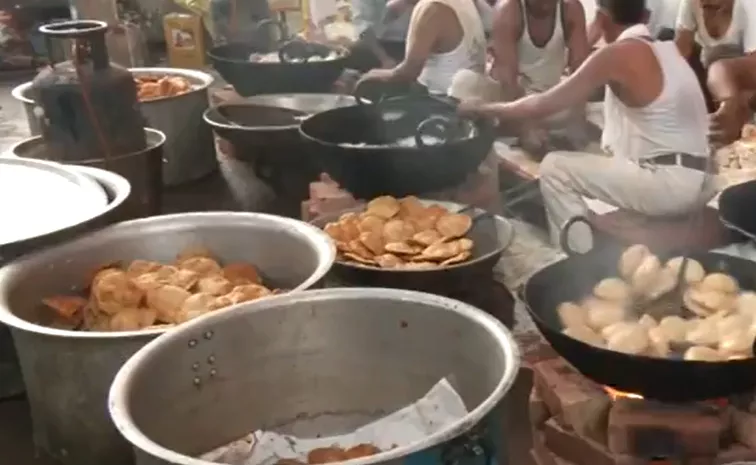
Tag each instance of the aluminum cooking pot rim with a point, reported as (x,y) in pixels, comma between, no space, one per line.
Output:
(158,137)
(19,92)
(217,124)
(121,386)
(321,241)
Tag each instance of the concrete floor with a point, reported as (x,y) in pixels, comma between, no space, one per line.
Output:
(215,193)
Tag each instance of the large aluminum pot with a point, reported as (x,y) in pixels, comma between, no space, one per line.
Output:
(67,373)
(142,169)
(189,153)
(118,190)
(316,363)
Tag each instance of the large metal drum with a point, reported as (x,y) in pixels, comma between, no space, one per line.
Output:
(318,363)
(68,373)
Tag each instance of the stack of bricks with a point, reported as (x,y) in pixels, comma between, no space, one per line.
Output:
(575,422)
(481,189)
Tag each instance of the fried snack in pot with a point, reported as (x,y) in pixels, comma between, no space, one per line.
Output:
(402,233)
(147,294)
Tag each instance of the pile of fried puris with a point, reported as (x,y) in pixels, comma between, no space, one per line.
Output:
(333,454)
(716,322)
(402,234)
(147,294)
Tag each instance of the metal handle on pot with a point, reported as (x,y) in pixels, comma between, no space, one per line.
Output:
(443,125)
(564,233)
(83,32)
(471,445)
(263,26)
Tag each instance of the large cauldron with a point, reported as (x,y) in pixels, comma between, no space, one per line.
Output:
(318,363)
(67,373)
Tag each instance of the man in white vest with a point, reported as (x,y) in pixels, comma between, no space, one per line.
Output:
(656,127)
(444,36)
(534,43)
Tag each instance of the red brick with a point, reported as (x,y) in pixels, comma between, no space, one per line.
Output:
(735,453)
(697,428)
(574,448)
(630,460)
(537,409)
(744,428)
(577,403)
(534,349)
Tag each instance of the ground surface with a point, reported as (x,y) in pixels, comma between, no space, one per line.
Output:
(527,253)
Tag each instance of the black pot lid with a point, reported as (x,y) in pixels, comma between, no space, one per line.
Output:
(38,198)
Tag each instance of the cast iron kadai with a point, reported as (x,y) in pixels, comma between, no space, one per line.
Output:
(263,130)
(736,209)
(492,234)
(401,146)
(295,72)
(661,379)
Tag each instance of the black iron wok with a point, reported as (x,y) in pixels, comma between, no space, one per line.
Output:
(492,234)
(399,146)
(662,379)
(736,212)
(295,72)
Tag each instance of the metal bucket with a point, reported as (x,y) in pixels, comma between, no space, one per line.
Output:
(118,191)
(189,152)
(67,373)
(316,364)
(142,169)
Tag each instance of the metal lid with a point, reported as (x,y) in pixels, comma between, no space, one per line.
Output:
(38,198)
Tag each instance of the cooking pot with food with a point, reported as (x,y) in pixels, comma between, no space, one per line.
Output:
(398,146)
(319,363)
(291,66)
(409,243)
(263,131)
(172,101)
(622,319)
(78,199)
(96,297)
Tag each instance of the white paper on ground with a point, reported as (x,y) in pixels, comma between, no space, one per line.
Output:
(439,408)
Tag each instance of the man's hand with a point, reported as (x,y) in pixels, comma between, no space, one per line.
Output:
(376,75)
(728,121)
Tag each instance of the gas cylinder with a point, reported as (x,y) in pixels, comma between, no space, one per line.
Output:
(88,106)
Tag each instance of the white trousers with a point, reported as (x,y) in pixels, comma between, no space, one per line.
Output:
(565,177)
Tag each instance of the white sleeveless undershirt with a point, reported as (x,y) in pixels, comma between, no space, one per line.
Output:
(676,122)
(469,54)
(541,68)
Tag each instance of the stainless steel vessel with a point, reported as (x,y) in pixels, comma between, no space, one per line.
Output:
(142,169)
(67,373)
(317,363)
(188,153)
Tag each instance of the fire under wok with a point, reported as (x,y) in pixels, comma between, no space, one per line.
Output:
(664,379)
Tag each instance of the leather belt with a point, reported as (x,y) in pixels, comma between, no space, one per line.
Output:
(680,159)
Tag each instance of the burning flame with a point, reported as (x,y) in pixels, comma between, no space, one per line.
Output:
(615,394)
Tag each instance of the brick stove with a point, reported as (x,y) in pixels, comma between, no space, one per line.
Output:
(576,421)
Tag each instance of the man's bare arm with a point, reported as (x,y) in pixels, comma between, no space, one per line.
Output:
(732,78)
(595,72)
(425,33)
(685,39)
(577,37)
(505,33)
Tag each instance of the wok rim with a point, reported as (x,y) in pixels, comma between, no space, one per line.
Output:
(501,245)
(485,129)
(120,388)
(318,239)
(635,358)
(212,53)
